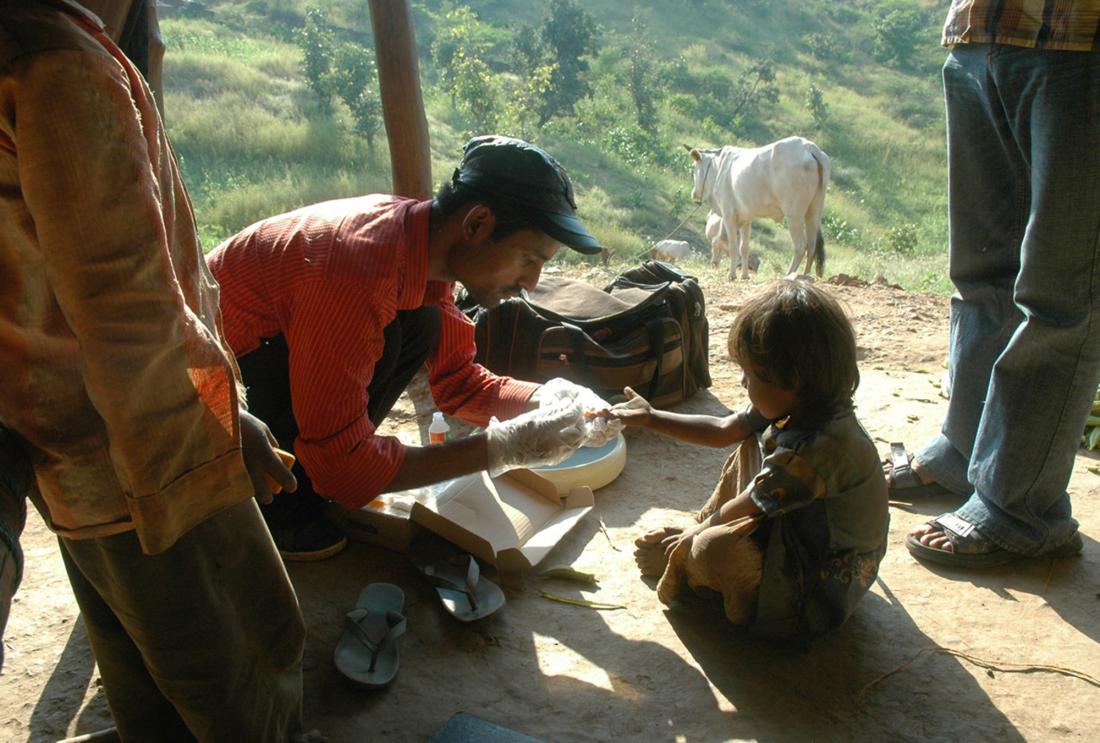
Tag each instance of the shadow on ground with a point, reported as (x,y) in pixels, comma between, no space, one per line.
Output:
(62,698)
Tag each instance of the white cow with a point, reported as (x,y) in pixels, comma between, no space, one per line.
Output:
(785,179)
(671,250)
(720,246)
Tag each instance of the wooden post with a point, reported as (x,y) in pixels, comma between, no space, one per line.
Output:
(402,104)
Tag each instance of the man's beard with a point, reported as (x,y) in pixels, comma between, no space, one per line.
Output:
(491,298)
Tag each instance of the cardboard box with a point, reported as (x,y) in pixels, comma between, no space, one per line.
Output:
(511,522)
(386,521)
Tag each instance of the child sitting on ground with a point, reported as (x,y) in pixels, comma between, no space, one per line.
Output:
(793,534)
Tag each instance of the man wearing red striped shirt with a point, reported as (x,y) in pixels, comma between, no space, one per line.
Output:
(331,309)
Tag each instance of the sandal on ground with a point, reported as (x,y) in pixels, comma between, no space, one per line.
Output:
(972,550)
(465,593)
(903,481)
(367,651)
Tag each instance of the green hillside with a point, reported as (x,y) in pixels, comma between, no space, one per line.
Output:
(861,79)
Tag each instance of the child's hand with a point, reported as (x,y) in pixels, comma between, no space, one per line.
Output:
(636,411)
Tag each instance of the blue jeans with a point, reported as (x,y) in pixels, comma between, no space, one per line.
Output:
(1023,141)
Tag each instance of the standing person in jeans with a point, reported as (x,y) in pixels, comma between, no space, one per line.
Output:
(1022,86)
(331,310)
(118,384)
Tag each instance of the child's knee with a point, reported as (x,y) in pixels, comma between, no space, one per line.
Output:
(730,564)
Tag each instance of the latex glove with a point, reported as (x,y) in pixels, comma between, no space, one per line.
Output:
(543,436)
(597,430)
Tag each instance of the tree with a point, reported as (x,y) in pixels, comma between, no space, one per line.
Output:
(317,43)
(354,76)
(457,39)
(458,52)
(570,34)
(755,87)
(528,49)
(523,107)
(819,109)
(897,34)
(644,90)
(477,93)
(342,69)
(535,69)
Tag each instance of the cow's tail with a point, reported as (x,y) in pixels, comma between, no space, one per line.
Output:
(817,209)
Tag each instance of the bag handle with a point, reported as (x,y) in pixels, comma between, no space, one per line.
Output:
(656,330)
(577,338)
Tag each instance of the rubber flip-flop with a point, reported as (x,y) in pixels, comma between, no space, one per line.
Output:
(367,651)
(466,594)
(905,484)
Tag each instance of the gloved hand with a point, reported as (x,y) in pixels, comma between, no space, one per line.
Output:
(597,430)
(543,436)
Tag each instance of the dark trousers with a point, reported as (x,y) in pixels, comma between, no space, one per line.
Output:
(202,641)
(409,340)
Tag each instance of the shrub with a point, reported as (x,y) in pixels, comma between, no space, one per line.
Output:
(826,47)
(838,230)
(897,34)
(901,239)
(819,109)
(635,145)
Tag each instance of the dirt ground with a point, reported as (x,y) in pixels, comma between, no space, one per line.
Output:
(566,673)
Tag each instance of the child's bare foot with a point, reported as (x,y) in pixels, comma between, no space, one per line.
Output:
(650,552)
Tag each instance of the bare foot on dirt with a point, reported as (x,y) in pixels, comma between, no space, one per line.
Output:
(650,553)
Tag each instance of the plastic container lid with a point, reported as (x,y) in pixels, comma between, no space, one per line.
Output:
(594,466)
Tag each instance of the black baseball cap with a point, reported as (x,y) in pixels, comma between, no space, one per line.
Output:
(526,177)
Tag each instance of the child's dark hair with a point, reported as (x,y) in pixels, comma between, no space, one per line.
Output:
(509,218)
(797,336)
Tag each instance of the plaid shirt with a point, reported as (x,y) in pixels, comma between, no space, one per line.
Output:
(1069,25)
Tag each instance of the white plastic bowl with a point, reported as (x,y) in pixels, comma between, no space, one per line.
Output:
(592,466)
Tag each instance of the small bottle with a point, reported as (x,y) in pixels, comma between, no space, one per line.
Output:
(439,430)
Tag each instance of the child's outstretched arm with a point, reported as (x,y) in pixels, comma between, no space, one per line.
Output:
(705,430)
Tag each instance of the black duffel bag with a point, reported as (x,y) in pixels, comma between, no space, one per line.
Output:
(647,329)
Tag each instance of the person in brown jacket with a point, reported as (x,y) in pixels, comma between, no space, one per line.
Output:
(116,378)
